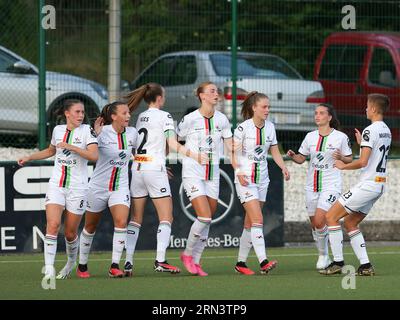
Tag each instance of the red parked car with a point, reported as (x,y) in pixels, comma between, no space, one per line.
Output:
(353,64)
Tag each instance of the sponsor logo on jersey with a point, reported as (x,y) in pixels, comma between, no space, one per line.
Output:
(380,179)
(77,140)
(143,158)
(320,157)
(66,152)
(122,155)
(320,166)
(66,162)
(118,163)
(258,150)
(256,159)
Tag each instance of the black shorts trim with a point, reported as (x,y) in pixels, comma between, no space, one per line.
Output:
(351,209)
(139,197)
(161,197)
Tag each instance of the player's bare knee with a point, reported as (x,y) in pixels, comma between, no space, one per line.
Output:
(91,227)
(331,219)
(70,235)
(52,227)
(120,223)
(350,225)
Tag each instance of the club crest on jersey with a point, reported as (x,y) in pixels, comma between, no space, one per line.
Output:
(366,135)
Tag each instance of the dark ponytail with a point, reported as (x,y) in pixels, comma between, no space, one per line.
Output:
(108,110)
(148,92)
(334,123)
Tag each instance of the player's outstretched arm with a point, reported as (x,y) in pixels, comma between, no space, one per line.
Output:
(41,155)
(337,155)
(91,153)
(298,158)
(356,164)
(201,158)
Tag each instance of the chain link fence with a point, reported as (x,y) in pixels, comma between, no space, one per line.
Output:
(299,53)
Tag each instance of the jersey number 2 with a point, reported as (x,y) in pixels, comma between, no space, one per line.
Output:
(381,167)
(140,150)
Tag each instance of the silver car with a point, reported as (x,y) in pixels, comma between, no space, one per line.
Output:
(19,111)
(293,99)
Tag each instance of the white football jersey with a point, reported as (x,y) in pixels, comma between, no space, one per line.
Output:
(255,144)
(322,175)
(203,135)
(153,126)
(378,137)
(115,151)
(70,169)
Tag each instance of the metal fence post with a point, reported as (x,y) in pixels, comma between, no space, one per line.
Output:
(42,80)
(234,61)
(114,51)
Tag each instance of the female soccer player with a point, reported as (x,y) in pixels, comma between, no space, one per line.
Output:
(109,185)
(204,131)
(355,204)
(73,144)
(324,182)
(149,174)
(252,140)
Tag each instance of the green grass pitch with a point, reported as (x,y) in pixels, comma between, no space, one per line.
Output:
(294,278)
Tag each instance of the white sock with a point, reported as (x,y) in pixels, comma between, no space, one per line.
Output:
(257,238)
(119,240)
(245,245)
(336,240)
(195,232)
(72,250)
(358,243)
(163,237)
(200,245)
(132,236)
(85,244)
(50,249)
(322,240)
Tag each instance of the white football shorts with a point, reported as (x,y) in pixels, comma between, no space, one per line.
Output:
(100,199)
(150,183)
(322,200)
(195,187)
(360,198)
(73,200)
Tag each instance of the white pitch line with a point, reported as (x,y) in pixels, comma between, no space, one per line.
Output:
(216,257)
